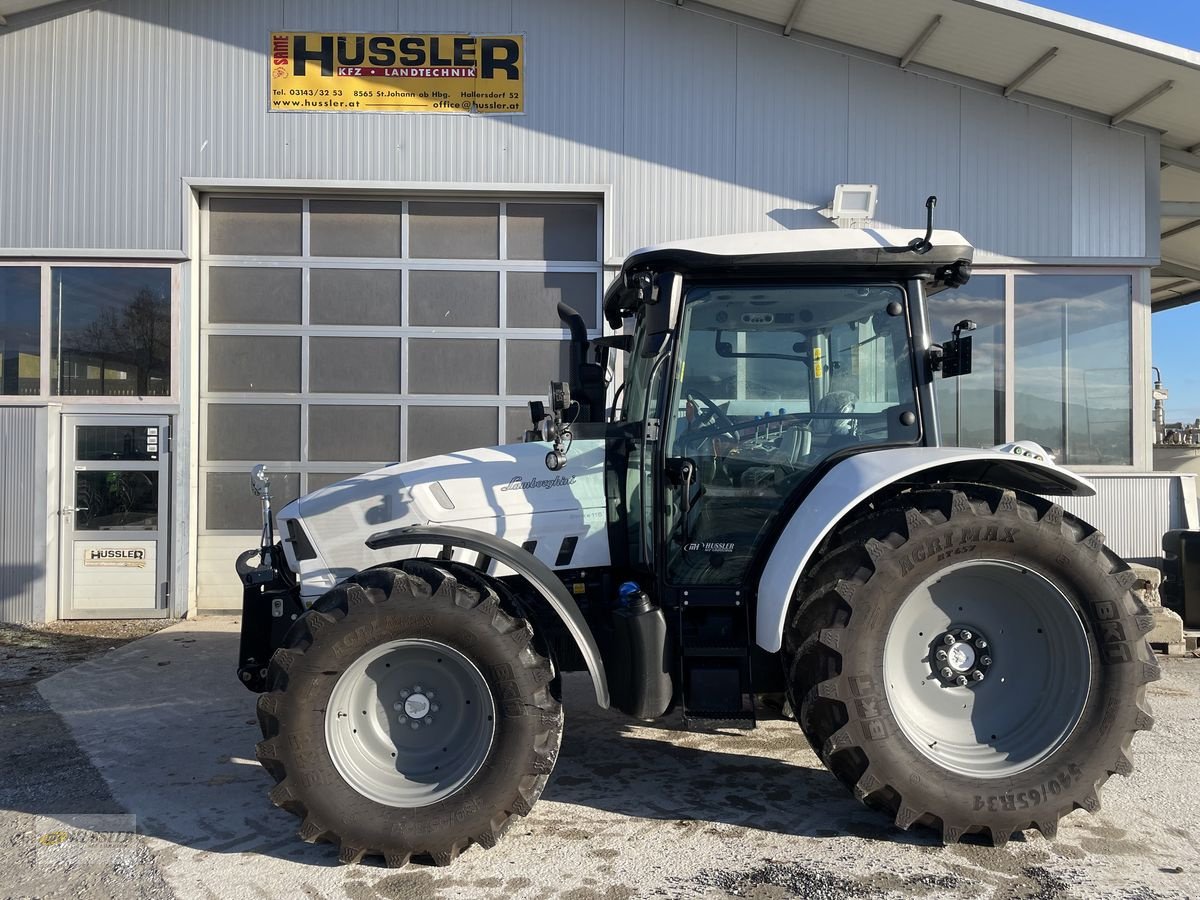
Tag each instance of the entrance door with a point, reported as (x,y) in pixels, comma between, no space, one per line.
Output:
(115,517)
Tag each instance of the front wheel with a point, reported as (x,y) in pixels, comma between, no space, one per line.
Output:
(409,714)
(971,660)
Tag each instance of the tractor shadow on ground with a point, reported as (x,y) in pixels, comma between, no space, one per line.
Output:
(766,779)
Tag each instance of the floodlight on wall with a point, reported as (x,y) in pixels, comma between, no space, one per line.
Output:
(854,202)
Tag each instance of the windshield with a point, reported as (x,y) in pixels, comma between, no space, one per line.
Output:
(771,381)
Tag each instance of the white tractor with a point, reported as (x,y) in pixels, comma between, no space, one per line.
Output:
(763,508)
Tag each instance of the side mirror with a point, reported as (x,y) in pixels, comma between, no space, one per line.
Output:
(956,352)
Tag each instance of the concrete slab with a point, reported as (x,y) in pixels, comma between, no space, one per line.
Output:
(632,811)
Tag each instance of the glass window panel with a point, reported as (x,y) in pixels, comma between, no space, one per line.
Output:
(977,399)
(516,423)
(352,365)
(354,297)
(110,332)
(258,432)
(443,366)
(1073,380)
(256,363)
(454,299)
(318,480)
(230,505)
(817,371)
(453,230)
(118,442)
(445,429)
(533,297)
(367,433)
(254,226)
(116,501)
(355,228)
(552,231)
(532,365)
(250,296)
(20,330)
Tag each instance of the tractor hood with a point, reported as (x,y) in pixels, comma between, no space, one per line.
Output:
(504,491)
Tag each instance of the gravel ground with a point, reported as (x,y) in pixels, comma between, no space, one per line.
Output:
(633,810)
(49,778)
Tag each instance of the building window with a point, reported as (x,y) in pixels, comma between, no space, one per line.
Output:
(1073,385)
(971,407)
(20,330)
(110,332)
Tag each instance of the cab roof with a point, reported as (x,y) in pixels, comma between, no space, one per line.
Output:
(833,253)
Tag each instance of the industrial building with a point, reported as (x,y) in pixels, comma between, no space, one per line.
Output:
(328,236)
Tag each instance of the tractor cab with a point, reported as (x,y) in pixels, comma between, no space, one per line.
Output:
(756,362)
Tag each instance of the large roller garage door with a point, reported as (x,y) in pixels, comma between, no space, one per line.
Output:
(342,334)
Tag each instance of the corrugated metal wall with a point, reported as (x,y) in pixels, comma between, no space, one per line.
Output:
(1134,511)
(701,125)
(22,514)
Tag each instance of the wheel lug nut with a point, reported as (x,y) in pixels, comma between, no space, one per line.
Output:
(429,694)
(966,635)
(402,719)
(417,688)
(961,680)
(416,725)
(948,639)
(981,644)
(429,720)
(977,675)
(942,655)
(404,695)
(985,660)
(946,673)
(433,707)
(397,705)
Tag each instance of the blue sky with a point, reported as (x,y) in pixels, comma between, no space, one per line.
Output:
(1176,332)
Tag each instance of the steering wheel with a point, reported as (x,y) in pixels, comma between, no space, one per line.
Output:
(713,412)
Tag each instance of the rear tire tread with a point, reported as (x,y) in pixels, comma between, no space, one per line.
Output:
(824,603)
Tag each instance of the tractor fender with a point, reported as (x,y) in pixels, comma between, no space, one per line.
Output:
(525,564)
(855,478)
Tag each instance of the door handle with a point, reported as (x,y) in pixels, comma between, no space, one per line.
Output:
(71,509)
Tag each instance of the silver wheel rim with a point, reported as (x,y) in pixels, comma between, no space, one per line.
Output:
(409,723)
(1034,688)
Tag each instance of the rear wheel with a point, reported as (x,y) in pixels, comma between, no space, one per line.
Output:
(971,660)
(409,713)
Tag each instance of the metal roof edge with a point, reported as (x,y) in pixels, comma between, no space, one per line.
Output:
(1086,28)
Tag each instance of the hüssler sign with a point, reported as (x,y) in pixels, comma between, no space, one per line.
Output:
(444,73)
(126,557)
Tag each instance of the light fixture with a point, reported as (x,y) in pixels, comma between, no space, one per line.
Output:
(854,202)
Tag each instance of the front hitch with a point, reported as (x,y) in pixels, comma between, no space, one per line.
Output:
(270,595)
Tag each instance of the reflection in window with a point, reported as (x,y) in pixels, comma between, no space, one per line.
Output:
(1073,360)
(971,407)
(116,501)
(111,332)
(20,331)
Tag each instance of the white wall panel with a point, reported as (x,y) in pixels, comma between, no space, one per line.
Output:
(26,137)
(700,125)
(792,125)
(1108,191)
(1014,202)
(904,136)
